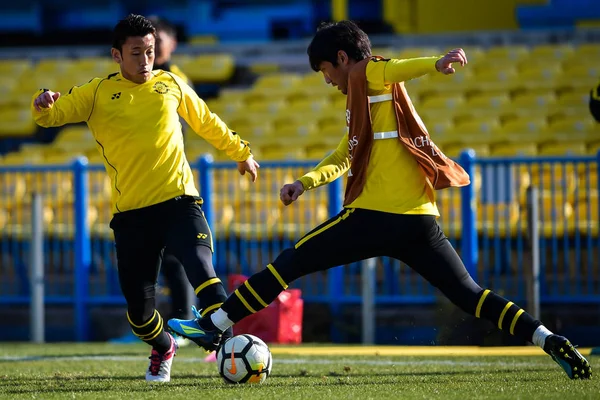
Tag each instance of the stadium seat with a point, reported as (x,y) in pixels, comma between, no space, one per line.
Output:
(572,127)
(281,152)
(487,101)
(454,150)
(562,148)
(52,66)
(414,52)
(551,51)
(507,53)
(16,122)
(442,102)
(514,150)
(518,128)
(277,81)
(14,68)
(210,68)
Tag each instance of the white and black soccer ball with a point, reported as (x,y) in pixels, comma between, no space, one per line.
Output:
(244,359)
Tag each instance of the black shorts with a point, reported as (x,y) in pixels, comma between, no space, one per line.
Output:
(142,234)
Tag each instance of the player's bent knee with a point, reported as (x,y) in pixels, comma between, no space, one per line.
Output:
(291,265)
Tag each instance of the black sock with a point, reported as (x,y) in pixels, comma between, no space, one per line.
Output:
(254,294)
(506,315)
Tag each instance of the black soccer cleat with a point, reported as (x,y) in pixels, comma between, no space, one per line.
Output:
(566,355)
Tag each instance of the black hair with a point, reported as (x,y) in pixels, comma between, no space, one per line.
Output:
(332,37)
(163,25)
(132,25)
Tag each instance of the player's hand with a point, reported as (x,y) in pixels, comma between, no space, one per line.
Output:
(250,166)
(45,100)
(444,64)
(290,192)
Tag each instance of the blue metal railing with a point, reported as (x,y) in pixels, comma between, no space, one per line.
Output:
(486,221)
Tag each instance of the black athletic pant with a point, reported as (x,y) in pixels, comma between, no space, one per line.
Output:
(357,234)
(140,238)
(181,293)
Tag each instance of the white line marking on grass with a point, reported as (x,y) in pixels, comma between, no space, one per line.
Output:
(295,361)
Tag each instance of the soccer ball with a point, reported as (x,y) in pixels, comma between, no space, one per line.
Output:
(244,359)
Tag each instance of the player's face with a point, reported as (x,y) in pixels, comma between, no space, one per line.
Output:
(137,58)
(337,75)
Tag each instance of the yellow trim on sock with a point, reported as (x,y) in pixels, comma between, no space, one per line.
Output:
(271,268)
(209,282)
(329,225)
(514,321)
(481,300)
(244,302)
(506,307)
(155,332)
(256,296)
(158,331)
(210,308)
(143,325)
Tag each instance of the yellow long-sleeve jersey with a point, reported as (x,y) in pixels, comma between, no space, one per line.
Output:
(137,131)
(394,183)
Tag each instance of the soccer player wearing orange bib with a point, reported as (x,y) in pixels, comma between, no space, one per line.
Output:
(393,169)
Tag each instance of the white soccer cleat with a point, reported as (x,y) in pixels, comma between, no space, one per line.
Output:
(159,369)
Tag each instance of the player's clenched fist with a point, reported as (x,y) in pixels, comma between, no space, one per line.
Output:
(444,64)
(46,100)
(290,192)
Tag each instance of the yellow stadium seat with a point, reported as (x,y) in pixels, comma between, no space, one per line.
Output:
(574,99)
(536,76)
(551,51)
(94,67)
(588,49)
(439,127)
(309,105)
(16,121)
(52,66)
(498,218)
(523,126)
(514,149)
(535,100)
(583,71)
(454,150)
(500,80)
(444,102)
(312,79)
(265,107)
(282,152)
(477,126)
(414,52)
(74,133)
(14,67)
(277,81)
(572,127)
(562,148)
(295,133)
(533,63)
(211,68)
(487,101)
(224,109)
(566,82)
(510,53)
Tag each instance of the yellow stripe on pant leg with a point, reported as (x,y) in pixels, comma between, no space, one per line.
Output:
(480,304)
(244,302)
(256,296)
(271,268)
(323,229)
(514,321)
(506,307)
(209,282)
(210,308)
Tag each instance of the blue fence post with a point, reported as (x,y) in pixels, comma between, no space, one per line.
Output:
(205,165)
(469,249)
(335,276)
(83,256)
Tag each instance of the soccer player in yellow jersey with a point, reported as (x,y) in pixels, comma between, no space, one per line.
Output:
(389,208)
(134,117)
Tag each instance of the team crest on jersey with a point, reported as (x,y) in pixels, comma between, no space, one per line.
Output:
(160,87)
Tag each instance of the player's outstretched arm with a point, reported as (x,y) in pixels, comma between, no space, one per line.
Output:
(49,108)
(411,68)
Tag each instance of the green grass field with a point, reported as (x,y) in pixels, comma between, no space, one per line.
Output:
(106,371)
